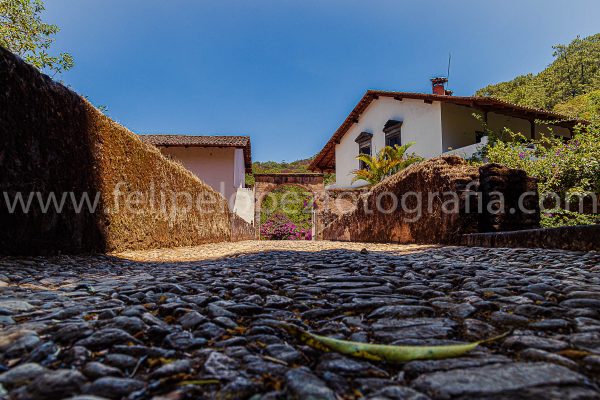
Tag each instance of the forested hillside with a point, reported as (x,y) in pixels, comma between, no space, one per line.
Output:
(268,167)
(563,86)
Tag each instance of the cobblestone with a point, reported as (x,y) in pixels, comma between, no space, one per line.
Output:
(197,323)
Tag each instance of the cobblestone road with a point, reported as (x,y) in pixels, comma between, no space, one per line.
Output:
(199,322)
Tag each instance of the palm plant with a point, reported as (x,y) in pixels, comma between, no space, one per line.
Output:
(388,161)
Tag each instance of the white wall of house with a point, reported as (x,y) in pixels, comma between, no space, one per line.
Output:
(220,168)
(244,204)
(239,168)
(459,126)
(435,128)
(421,124)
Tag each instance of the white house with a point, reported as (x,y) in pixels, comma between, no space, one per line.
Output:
(438,123)
(219,161)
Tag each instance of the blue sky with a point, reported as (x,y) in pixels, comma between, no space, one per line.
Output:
(287,72)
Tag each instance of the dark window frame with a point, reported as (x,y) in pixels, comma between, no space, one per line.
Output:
(393,133)
(361,150)
(364,141)
(392,139)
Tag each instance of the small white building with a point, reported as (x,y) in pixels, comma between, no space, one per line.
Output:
(219,161)
(438,123)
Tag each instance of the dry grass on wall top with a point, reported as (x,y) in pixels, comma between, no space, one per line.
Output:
(438,175)
(54,141)
(121,157)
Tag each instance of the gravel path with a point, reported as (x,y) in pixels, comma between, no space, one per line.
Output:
(219,250)
(155,326)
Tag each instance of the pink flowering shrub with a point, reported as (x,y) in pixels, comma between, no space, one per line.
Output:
(280,227)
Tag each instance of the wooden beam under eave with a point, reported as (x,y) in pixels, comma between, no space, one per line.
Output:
(532,128)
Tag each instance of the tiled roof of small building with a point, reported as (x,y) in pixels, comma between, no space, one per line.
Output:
(240,142)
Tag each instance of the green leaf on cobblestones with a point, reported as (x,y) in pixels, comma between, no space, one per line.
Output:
(381,352)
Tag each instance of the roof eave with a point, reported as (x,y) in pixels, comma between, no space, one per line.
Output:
(318,163)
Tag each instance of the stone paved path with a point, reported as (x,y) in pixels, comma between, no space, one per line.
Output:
(107,327)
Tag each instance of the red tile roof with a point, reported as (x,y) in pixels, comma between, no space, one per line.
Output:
(240,142)
(325,160)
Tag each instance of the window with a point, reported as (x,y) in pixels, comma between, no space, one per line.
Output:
(393,140)
(364,145)
(365,149)
(393,130)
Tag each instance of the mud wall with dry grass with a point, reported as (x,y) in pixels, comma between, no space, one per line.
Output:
(54,141)
(241,230)
(436,201)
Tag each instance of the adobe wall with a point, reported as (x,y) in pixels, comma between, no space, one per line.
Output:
(240,229)
(436,201)
(54,141)
(340,201)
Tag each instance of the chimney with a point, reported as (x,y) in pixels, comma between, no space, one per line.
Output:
(437,86)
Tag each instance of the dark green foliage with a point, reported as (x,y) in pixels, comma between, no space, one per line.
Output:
(23,32)
(559,217)
(567,170)
(575,71)
(585,106)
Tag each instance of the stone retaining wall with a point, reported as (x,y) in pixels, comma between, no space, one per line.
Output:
(54,141)
(502,185)
(443,183)
(443,174)
(580,238)
(338,202)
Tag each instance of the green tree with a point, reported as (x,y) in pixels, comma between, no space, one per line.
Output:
(575,71)
(585,106)
(389,161)
(23,32)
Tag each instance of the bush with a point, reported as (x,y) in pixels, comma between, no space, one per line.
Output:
(559,217)
(280,227)
(292,201)
(568,169)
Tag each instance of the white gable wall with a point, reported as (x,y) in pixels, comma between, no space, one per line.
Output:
(435,128)
(239,169)
(218,167)
(421,124)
